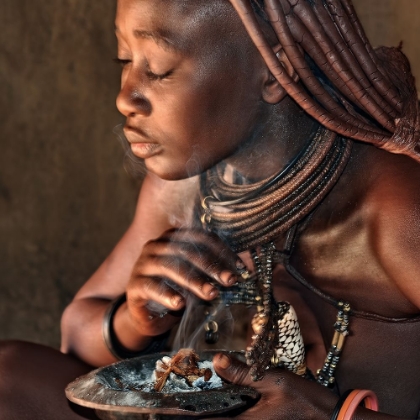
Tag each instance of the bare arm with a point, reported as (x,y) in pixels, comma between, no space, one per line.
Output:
(285,395)
(397,228)
(161,206)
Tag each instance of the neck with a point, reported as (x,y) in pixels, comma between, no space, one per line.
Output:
(283,132)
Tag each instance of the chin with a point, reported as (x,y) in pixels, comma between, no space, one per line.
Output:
(168,172)
(171,175)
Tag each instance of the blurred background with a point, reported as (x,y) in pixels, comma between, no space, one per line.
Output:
(65,198)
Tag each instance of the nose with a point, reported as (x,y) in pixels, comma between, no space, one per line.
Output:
(130,100)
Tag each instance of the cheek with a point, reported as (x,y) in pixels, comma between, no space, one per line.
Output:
(217,103)
(232,109)
(206,115)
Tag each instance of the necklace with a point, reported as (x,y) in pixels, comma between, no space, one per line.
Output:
(246,216)
(251,216)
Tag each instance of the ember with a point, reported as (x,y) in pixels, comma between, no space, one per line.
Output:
(183,364)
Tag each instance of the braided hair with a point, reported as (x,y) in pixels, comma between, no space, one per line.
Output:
(346,85)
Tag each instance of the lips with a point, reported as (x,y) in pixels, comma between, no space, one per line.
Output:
(141,144)
(130,130)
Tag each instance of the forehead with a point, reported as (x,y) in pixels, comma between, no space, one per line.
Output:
(179,23)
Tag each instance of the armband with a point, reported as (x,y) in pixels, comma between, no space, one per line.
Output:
(111,340)
(350,400)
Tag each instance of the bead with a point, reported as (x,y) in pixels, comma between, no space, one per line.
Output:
(326,374)
(204,204)
(211,326)
(211,337)
(259,321)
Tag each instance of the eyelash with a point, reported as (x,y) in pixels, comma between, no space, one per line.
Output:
(149,73)
(120,61)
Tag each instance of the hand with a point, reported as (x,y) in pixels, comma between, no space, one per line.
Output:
(179,263)
(284,395)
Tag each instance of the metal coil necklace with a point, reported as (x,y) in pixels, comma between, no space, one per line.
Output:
(251,217)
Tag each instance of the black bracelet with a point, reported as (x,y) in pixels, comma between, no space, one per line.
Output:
(111,340)
(339,404)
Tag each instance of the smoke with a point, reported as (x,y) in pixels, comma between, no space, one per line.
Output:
(133,165)
(192,329)
(193,166)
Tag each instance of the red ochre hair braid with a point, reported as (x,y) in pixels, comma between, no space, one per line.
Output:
(367,95)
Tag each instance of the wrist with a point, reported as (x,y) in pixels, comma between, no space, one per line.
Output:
(121,338)
(126,331)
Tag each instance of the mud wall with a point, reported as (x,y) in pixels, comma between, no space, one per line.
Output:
(64,196)
(389,22)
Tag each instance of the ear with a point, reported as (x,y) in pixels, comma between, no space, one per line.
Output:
(273,92)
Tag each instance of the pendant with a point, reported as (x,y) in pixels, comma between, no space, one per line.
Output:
(212,334)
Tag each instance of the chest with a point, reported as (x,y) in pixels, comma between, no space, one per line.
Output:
(378,354)
(343,263)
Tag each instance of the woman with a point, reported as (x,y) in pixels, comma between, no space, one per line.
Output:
(335,232)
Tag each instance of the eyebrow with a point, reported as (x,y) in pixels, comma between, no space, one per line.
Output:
(163,38)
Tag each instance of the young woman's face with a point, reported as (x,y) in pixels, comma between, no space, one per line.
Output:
(189,89)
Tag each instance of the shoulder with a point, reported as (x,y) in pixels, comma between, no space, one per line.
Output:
(393,193)
(393,205)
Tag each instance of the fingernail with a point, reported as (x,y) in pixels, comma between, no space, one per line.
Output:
(245,274)
(228,277)
(224,361)
(242,270)
(177,300)
(240,265)
(209,290)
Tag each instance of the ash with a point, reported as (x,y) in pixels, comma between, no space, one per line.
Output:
(178,384)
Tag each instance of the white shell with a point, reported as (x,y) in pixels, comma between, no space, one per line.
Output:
(290,351)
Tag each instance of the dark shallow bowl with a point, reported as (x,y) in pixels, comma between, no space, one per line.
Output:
(111,392)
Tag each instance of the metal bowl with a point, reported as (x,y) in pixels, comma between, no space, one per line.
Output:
(111,392)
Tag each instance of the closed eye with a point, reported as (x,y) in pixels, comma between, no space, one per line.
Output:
(149,73)
(121,61)
(155,76)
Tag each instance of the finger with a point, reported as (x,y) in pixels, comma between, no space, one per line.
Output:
(197,255)
(151,315)
(209,243)
(142,289)
(232,370)
(180,276)
(150,323)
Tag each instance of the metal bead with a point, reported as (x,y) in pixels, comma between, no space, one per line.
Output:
(212,337)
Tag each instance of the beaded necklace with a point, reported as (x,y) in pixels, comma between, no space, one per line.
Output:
(250,217)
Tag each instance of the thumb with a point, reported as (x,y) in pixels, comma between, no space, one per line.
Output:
(232,370)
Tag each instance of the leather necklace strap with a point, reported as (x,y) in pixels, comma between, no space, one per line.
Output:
(249,215)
